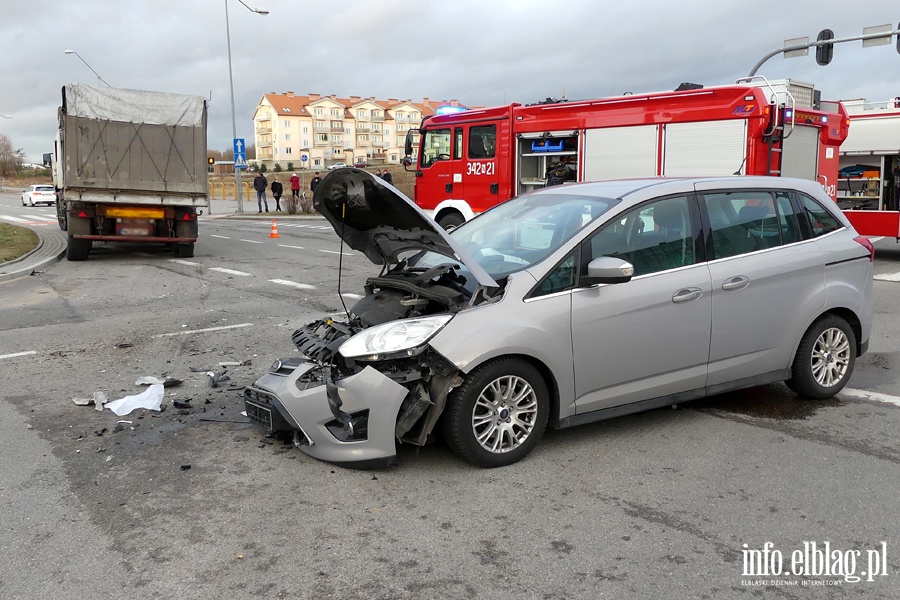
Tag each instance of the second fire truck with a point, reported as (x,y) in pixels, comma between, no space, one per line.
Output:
(469,161)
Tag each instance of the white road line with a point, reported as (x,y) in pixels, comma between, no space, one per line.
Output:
(45,218)
(15,354)
(208,329)
(252,241)
(184,262)
(891,277)
(224,237)
(874,396)
(229,271)
(294,247)
(336,252)
(14,219)
(302,286)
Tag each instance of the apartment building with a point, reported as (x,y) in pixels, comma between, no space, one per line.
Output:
(313,131)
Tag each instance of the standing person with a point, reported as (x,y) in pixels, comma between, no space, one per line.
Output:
(378,173)
(388,177)
(295,186)
(260,183)
(277,190)
(315,183)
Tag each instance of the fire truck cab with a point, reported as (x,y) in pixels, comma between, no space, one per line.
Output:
(869,183)
(469,161)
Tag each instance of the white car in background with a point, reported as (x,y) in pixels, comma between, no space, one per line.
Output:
(39,194)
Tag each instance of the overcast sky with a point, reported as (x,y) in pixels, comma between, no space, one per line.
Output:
(481,52)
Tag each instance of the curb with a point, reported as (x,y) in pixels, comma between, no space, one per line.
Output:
(51,248)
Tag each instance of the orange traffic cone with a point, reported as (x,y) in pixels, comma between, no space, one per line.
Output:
(274,233)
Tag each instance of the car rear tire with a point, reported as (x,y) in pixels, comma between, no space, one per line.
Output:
(499,413)
(825,358)
(78,249)
(453,219)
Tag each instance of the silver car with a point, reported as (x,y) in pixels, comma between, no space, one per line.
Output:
(568,305)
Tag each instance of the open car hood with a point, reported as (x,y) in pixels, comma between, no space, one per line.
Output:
(375,218)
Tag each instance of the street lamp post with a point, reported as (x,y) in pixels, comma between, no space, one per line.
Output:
(237,172)
(99,79)
(1,166)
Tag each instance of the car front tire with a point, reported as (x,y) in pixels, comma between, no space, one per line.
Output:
(499,413)
(825,358)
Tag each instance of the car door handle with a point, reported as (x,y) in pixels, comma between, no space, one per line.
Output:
(738,282)
(686,295)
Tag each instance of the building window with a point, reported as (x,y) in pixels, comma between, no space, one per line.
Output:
(318,112)
(288,150)
(305,129)
(286,123)
(287,137)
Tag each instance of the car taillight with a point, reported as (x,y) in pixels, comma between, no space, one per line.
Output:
(865,243)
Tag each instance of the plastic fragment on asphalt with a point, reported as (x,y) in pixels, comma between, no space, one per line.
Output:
(217,377)
(234,363)
(150,399)
(99,399)
(165,381)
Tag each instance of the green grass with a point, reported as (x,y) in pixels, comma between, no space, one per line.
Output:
(16,241)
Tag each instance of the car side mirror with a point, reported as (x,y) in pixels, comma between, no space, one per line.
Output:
(608,269)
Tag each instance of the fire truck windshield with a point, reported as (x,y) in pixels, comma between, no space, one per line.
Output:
(435,146)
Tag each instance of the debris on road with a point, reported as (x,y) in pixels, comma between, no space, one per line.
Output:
(216,377)
(150,399)
(98,400)
(164,381)
(181,402)
(233,363)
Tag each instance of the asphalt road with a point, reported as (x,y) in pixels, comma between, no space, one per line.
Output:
(197,503)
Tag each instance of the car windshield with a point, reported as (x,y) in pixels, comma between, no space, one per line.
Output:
(43,188)
(523,231)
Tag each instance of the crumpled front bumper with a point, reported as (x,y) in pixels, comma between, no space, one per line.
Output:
(280,402)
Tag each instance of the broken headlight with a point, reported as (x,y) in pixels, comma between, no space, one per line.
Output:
(404,335)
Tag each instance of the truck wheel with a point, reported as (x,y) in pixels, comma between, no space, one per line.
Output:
(61,216)
(78,249)
(184,250)
(450,220)
(825,358)
(499,413)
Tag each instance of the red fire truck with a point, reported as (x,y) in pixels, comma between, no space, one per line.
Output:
(469,161)
(870,167)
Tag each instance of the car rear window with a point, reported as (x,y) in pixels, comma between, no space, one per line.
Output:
(817,217)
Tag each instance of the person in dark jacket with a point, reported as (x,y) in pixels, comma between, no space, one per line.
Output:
(277,190)
(315,183)
(388,177)
(260,183)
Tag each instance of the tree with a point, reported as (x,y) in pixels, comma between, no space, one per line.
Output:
(290,166)
(277,168)
(10,160)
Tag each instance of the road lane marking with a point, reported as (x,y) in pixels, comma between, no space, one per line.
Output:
(302,286)
(252,241)
(352,296)
(184,262)
(208,329)
(294,247)
(15,354)
(224,237)
(229,271)
(891,277)
(874,396)
(336,252)
(13,219)
(43,218)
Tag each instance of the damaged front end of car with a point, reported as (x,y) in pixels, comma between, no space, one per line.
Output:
(365,383)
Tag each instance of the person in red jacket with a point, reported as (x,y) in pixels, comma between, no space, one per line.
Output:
(295,186)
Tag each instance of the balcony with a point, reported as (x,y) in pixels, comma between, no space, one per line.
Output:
(378,119)
(336,129)
(264,129)
(322,128)
(263,143)
(363,129)
(320,143)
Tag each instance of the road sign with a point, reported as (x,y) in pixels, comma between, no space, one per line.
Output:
(240,154)
(304,157)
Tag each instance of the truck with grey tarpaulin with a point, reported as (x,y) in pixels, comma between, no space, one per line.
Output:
(129,166)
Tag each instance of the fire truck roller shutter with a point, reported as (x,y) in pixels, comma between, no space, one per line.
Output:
(800,153)
(706,148)
(620,152)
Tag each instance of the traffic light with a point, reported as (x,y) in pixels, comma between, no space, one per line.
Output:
(210,161)
(825,52)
